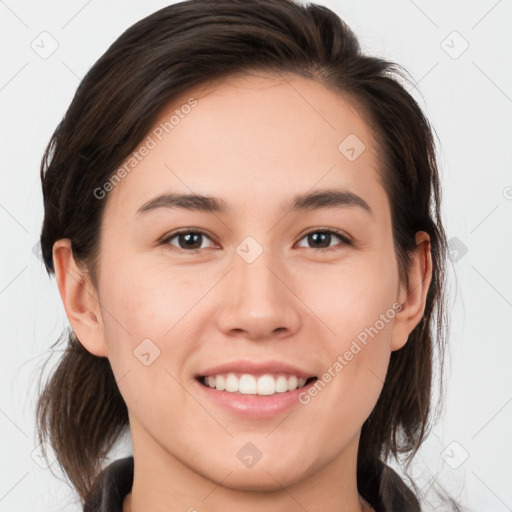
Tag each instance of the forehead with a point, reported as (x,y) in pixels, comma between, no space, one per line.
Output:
(254,138)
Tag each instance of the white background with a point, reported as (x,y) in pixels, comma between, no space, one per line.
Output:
(469,102)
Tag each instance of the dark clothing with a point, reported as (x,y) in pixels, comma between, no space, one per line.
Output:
(114,483)
(116,480)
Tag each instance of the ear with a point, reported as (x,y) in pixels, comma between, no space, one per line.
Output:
(413,298)
(79,299)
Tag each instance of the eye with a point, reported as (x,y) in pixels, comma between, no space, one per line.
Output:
(195,240)
(321,239)
(187,240)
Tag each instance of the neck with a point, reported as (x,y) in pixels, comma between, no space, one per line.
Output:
(162,483)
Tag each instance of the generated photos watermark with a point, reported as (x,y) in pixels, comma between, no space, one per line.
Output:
(151,142)
(343,360)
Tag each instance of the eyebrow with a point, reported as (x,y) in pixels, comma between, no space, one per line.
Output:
(323,198)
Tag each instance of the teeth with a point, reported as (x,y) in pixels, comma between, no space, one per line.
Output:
(248,384)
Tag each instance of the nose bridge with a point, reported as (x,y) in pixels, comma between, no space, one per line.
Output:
(257,286)
(255,280)
(258,302)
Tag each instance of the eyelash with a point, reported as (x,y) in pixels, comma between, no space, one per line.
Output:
(339,234)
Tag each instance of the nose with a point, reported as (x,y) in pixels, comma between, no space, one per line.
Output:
(259,300)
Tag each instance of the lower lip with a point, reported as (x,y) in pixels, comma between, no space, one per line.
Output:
(255,406)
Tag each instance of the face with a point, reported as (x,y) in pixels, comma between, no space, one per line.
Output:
(261,282)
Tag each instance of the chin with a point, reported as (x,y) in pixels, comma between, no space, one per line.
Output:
(261,481)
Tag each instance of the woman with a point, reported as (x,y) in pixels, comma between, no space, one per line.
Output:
(242,212)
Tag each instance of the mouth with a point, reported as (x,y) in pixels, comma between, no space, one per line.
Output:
(254,388)
(267,384)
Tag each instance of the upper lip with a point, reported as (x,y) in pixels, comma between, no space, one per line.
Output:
(252,366)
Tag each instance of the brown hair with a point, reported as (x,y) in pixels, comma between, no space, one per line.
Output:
(80,410)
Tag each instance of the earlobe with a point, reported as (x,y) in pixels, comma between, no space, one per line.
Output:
(79,299)
(413,299)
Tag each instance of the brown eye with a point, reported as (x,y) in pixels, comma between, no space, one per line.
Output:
(187,240)
(323,239)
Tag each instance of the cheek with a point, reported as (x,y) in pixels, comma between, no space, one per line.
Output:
(357,301)
(142,315)
(348,389)
(146,301)
(358,308)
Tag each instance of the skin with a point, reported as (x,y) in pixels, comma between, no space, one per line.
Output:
(255,142)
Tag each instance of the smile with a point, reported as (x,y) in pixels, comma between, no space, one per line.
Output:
(249,384)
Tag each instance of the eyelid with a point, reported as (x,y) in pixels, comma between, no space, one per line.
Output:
(346,240)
